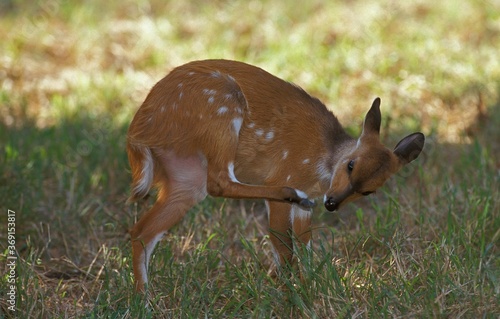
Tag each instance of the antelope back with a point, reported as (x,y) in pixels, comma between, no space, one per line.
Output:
(229,129)
(279,127)
(283,136)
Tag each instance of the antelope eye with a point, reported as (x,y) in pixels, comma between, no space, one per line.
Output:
(350,165)
(366,193)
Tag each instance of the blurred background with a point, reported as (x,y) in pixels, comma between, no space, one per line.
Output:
(73,73)
(436,61)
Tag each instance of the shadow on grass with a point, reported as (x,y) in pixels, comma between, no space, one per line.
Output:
(64,182)
(68,185)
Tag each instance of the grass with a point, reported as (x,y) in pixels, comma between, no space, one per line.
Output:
(426,245)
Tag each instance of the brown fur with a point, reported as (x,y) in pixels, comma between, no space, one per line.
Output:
(229,129)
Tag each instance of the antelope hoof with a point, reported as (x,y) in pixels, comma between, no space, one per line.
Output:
(307,203)
(300,198)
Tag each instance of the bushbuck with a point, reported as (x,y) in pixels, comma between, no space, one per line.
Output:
(229,129)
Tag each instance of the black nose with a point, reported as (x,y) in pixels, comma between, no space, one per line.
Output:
(331,204)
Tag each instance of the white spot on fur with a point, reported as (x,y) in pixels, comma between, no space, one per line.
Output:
(237,124)
(306,161)
(285,154)
(162,109)
(259,132)
(269,135)
(180,85)
(238,110)
(191,73)
(180,95)
(222,110)
(215,74)
(228,96)
(251,125)
(288,178)
(209,91)
(210,100)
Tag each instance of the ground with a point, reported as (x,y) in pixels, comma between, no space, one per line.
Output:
(426,245)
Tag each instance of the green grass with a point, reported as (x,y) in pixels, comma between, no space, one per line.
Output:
(425,246)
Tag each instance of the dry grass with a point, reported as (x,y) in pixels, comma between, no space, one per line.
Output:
(72,76)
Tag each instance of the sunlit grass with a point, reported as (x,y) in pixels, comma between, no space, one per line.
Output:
(426,245)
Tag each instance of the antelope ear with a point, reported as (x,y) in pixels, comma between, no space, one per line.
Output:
(410,147)
(372,121)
